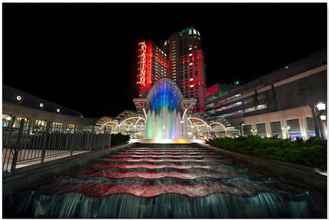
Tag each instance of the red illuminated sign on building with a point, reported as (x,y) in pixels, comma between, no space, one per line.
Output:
(141,64)
(144,77)
(212,90)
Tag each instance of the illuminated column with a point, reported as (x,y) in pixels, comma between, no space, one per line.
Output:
(268,129)
(284,129)
(302,126)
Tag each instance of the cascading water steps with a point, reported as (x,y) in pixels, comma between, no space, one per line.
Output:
(165,181)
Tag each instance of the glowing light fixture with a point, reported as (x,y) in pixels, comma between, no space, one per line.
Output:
(321,106)
(191,79)
(286,128)
(41,105)
(18,98)
(58,110)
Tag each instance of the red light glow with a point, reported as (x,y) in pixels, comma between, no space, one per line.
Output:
(212,90)
(144,65)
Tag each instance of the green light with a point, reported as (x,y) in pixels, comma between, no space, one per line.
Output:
(237,82)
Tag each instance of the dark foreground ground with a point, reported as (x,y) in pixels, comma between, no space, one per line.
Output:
(165,181)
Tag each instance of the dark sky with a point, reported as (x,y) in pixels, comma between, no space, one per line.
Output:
(83,56)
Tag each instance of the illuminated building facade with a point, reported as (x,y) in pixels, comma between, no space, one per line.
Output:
(41,114)
(186,64)
(279,104)
(152,65)
(180,59)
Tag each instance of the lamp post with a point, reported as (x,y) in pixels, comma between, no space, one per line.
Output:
(241,128)
(321,118)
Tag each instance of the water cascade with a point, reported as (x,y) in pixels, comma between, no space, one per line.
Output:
(165,181)
(164,112)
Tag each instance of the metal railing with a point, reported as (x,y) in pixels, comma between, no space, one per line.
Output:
(21,147)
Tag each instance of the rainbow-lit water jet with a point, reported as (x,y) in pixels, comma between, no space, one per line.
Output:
(164,114)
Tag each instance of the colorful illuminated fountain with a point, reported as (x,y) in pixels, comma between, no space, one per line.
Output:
(165,112)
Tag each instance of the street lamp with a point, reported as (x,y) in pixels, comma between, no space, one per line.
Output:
(320,118)
(253,131)
(321,106)
(323,117)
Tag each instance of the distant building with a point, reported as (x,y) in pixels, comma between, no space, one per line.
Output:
(280,104)
(180,59)
(186,64)
(41,114)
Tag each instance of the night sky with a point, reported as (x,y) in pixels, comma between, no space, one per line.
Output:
(83,56)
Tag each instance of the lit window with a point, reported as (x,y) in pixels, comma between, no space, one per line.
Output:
(18,98)
(57,126)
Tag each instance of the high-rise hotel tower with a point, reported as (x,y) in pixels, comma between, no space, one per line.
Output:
(179,59)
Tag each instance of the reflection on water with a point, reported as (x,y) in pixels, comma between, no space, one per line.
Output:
(165,181)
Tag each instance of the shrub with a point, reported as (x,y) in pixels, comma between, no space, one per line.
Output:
(312,153)
(117,139)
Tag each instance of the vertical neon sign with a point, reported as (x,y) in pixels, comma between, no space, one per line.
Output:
(144,77)
(141,64)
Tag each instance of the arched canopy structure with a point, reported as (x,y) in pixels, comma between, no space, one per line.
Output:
(108,124)
(133,126)
(218,129)
(198,128)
